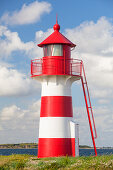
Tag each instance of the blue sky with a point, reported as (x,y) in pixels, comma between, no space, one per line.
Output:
(24,24)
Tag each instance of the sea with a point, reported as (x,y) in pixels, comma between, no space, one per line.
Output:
(82,152)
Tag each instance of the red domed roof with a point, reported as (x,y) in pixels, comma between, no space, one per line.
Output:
(56,38)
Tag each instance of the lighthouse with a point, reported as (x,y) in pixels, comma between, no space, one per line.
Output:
(56,71)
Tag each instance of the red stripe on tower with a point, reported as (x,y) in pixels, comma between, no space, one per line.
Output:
(56,106)
(55,147)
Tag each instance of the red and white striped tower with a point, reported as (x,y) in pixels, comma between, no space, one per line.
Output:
(56,71)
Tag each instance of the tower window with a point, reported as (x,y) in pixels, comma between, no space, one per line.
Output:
(53,50)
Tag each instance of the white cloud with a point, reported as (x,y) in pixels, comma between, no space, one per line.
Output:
(103,121)
(101,93)
(19,125)
(15,113)
(10,42)
(95,47)
(28,14)
(14,83)
(103,101)
(10,112)
(94,38)
(40,35)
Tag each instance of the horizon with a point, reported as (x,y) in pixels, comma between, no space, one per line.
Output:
(79,145)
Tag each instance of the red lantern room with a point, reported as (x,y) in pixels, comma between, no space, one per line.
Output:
(56,49)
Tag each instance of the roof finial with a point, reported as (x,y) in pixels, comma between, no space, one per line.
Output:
(56,18)
(56,27)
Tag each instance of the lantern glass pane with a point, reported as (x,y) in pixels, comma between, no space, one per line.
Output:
(53,50)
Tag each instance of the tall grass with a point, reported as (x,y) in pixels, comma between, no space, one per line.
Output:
(13,162)
(27,162)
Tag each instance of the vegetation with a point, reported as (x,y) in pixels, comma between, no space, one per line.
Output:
(19,146)
(31,146)
(28,162)
(35,145)
(84,147)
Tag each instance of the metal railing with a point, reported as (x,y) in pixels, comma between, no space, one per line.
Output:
(56,66)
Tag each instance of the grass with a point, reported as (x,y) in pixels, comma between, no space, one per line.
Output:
(28,162)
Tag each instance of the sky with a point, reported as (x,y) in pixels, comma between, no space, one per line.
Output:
(24,24)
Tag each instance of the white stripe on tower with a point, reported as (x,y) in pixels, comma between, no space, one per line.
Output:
(60,127)
(56,86)
(56,134)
